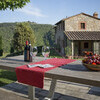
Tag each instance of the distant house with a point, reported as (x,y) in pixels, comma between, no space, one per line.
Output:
(78,33)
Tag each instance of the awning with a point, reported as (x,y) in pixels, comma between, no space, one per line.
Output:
(83,35)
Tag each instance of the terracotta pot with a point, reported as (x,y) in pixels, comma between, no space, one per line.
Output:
(69,57)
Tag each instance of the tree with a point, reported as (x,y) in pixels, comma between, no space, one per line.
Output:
(49,37)
(12,4)
(1,51)
(23,32)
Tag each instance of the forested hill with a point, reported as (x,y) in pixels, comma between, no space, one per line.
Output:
(44,34)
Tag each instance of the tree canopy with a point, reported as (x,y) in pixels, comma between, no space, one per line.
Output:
(23,32)
(0,42)
(41,31)
(12,4)
(1,51)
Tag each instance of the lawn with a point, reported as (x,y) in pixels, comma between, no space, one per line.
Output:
(7,77)
(4,55)
(53,54)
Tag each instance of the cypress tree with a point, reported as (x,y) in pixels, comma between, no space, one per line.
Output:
(1,50)
(23,32)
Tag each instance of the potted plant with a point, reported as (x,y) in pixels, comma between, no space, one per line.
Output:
(68,52)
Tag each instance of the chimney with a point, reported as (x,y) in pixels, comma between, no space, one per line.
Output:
(95,14)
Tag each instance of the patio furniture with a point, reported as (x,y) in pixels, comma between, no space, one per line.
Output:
(77,73)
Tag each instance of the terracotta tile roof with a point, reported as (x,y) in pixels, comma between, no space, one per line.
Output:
(83,35)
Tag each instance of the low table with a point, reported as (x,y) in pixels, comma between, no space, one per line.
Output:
(73,73)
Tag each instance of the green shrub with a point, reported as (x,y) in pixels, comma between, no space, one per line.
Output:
(68,51)
(39,49)
(1,50)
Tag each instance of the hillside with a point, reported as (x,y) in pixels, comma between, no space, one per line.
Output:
(44,34)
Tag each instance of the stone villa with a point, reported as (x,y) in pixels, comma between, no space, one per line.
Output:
(79,33)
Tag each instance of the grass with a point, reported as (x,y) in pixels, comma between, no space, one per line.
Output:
(4,55)
(7,77)
(53,54)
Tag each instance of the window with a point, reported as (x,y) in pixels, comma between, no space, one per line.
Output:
(86,45)
(83,26)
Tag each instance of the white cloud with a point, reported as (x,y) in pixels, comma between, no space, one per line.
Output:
(29,9)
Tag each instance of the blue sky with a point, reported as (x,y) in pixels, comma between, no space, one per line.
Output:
(50,11)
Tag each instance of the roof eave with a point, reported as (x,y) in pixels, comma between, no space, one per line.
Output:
(77,15)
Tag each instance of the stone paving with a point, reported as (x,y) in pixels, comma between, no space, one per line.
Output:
(64,91)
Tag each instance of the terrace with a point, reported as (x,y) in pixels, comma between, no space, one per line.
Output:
(66,88)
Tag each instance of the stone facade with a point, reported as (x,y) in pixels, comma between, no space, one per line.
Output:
(59,36)
(73,24)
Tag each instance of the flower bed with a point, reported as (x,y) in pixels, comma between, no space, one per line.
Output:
(88,53)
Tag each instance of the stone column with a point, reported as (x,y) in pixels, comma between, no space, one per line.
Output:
(72,49)
(93,46)
(96,47)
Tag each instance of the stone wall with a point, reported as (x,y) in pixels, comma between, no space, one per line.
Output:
(59,38)
(73,24)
